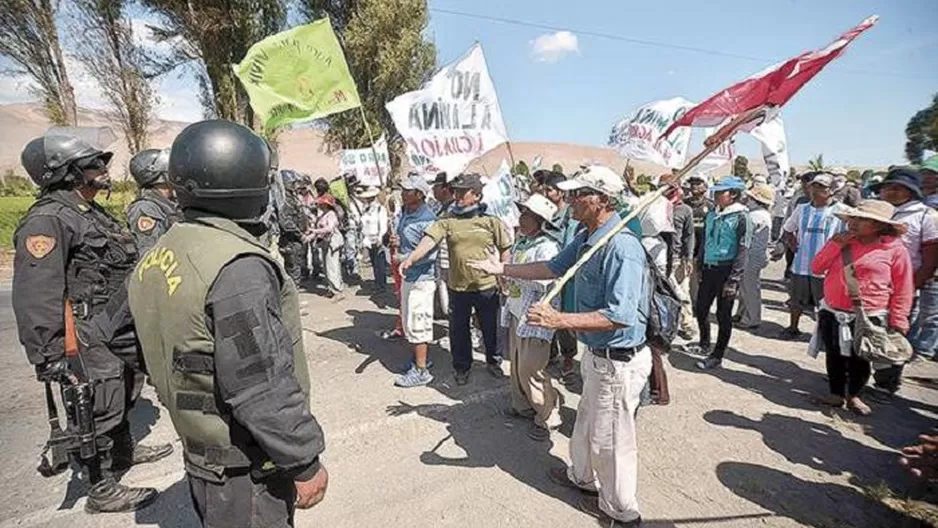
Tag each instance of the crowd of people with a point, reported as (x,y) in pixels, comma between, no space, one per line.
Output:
(228,361)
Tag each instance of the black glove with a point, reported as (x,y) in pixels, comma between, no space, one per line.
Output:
(56,370)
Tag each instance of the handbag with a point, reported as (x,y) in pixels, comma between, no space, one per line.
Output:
(871,341)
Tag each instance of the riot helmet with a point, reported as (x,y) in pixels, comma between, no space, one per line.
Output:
(59,161)
(221,167)
(148,167)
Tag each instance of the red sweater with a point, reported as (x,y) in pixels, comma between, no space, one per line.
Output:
(884,273)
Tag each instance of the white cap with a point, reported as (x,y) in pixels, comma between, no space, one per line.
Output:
(596,177)
(540,205)
(366,192)
(416,182)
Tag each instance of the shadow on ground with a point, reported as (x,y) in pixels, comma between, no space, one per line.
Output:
(172,509)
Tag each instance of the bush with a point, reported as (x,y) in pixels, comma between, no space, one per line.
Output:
(122,187)
(13,208)
(15,185)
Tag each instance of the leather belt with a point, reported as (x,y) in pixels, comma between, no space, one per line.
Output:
(617,354)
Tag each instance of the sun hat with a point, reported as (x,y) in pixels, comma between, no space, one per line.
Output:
(762,193)
(823,179)
(470,180)
(440,179)
(366,192)
(729,183)
(907,177)
(540,206)
(877,210)
(931,164)
(599,178)
(415,182)
(326,199)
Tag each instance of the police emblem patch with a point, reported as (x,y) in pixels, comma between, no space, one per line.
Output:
(39,245)
(145,223)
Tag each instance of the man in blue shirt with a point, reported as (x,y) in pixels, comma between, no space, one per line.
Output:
(419,283)
(612,300)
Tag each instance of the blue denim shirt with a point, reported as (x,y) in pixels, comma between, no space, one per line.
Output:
(614,282)
(410,230)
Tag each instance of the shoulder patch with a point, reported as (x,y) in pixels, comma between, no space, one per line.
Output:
(145,223)
(39,245)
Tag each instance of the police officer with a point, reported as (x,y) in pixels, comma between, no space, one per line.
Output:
(150,215)
(221,332)
(293,226)
(71,252)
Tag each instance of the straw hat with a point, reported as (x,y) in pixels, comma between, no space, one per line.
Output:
(764,194)
(876,210)
(366,192)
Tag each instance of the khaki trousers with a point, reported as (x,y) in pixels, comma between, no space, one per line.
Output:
(682,278)
(604,448)
(531,387)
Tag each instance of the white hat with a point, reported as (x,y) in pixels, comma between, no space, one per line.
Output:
(596,177)
(416,182)
(540,205)
(366,192)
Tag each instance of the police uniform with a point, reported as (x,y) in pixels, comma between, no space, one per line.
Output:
(149,216)
(221,333)
(70,249)
(293,225)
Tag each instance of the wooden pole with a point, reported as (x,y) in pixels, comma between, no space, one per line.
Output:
(712,143)
(374,152)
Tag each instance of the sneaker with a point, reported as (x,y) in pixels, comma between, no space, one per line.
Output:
(590,506)
(462,378)
(108,496)
(686,335)
(710,363)
(415,377)
(699,350)
(390,335)
(495,370)
(411,364)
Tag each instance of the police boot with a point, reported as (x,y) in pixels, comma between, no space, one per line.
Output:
(109,496)
(126,453)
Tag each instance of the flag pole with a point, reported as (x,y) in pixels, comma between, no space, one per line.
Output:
(374,152)
(711,144)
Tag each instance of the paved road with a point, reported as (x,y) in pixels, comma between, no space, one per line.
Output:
(739,448)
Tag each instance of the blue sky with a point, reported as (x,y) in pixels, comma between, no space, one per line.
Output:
(573,87)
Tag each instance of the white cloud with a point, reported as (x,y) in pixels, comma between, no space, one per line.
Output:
(551,47)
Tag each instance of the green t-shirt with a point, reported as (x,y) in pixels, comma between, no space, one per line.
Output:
(470,239)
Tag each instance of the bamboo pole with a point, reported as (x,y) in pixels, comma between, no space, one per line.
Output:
(714,143)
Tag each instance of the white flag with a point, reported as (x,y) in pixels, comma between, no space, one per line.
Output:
(499,196)
(774,150)
(453,119)
(367,168)
(639,137)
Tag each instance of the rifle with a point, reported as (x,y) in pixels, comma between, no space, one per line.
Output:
(78,436)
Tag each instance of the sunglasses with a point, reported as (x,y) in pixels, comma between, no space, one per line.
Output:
(582,193)
(97,164)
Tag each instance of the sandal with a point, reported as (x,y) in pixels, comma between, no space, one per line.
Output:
(857,405)
(829,400)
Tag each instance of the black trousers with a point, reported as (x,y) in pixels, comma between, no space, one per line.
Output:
(713,279)
(846,375)
(461,304)
(242,502)
(294,256)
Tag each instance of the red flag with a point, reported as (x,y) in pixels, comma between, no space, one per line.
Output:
(773,86)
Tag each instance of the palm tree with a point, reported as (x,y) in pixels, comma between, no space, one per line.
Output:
(817,163)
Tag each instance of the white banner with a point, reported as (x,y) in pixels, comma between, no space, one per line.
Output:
(499,196)
(362,163)
(453,119)
(639,137)
(774,150)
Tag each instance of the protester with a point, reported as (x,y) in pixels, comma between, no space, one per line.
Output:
(329,243)
(470,234)
(701,205)
(929,171)
(749,312)
(374,226)
(882,271)
(532,394)
(902,188)
(293,227)
(351,251)
(845,192)
(419,284)
(779,207)
(682,253)
(806,231)
(612,299)
(444,195)
(396,276)
(726,238)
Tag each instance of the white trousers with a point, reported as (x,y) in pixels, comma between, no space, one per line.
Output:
(604,447)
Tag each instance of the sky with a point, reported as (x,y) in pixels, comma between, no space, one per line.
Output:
(561,81)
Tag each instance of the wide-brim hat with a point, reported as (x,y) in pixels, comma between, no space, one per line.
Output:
(907,177)
(762,193)
(366,192)
(540,206)
(877,210)
(599,178)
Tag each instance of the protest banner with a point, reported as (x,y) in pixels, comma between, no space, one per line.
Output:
(723,155)
(298,75)
(371,165)
(499,196)
(453,119)
(774,150)
(641,136)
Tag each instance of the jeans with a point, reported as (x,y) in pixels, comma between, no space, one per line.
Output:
(713,280)
(486,305)
(924,332)
(379,264)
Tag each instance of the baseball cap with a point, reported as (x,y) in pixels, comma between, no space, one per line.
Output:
(729,183)
(931,164)
(823,179)
(540,206)
(596,177)
(415,182)
(470,180)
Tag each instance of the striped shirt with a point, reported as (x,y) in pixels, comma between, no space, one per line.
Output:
(812,228)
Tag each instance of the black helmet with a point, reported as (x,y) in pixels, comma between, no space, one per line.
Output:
(148,167)
(222,168)
(56,159)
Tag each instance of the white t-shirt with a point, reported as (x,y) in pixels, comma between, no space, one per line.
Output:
(923,228)
(374,221)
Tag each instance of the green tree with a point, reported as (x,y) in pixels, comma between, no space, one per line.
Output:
(817,163)
(387,53)
(521,168)
(211,35)
(118,63)
(741,167)
(922,132)
(29,39)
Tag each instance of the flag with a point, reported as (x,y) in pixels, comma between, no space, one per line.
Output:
(368,169)
(641,136)
(452,119)
(774,150)
(773,86)
(298,75)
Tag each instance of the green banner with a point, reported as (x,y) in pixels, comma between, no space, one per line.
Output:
(298,75)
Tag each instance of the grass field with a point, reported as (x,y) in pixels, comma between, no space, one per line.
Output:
(13,208)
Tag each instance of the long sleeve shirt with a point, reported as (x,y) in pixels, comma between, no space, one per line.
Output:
(327,224)
(883,271)
(682,244)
